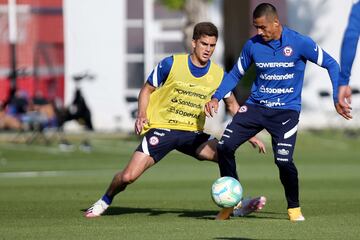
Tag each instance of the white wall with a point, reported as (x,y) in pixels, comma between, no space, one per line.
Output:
(324,22)
(94,41)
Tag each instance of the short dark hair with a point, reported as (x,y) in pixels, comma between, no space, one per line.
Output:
(205,28)
(264,9)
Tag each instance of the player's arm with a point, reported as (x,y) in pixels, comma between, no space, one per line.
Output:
(314,53)
(144,98)
(232,105)
(317,55)
(347,55)
(230,80)
(155,80)
(349,44)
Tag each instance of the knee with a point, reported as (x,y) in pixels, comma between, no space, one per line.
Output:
(285,166)
(281,164)
(224,149)
(207,157)
(127,177)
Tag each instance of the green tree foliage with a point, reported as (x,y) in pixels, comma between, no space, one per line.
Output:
(173,4)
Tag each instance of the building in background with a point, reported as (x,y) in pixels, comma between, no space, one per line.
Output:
(39,48)
(120,42)
(325,22)
(117,43)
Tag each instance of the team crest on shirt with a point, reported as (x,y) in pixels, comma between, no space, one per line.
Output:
(154,140)
(243,109)
(288,51)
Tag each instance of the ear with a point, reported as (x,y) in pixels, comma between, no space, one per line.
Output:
(276,22)
(193,43)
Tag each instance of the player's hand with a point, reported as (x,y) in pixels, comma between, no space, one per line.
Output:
(343,111)
(211,108)
(257,143)
(344,105)
(139,123)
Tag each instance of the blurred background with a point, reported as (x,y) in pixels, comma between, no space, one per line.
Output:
(72,65)
(90,58)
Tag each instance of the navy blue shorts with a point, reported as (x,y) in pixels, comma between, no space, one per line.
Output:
(251,119)
(159,142)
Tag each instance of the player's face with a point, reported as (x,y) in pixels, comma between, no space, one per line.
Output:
(203,49)
(268,28)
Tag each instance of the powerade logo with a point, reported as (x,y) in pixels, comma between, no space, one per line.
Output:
(275,64)
(189,93)
(276,77)
(263,89)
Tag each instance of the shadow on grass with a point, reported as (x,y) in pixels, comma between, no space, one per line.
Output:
(197,214)
(233,238)
(240,238)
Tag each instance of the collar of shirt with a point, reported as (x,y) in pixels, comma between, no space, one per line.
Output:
(198,71)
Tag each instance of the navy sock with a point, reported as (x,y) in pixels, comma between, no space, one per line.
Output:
(106,198)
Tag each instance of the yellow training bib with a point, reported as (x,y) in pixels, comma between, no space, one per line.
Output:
(179,103)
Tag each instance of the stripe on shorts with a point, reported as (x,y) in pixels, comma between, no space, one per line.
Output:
(144,146)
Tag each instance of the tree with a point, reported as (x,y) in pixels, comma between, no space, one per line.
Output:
(195,11)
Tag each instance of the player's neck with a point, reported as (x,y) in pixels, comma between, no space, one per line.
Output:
(277,35)
(196,61)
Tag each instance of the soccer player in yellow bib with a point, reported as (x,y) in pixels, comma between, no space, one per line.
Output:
(171,115)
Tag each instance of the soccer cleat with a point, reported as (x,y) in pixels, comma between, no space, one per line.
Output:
(97,209)
(295,214)
(85,146)
(224,214)
(249,205)
(66,146)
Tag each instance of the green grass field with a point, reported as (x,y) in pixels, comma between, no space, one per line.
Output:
(44,192)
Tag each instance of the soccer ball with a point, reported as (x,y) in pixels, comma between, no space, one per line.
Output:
(226,192)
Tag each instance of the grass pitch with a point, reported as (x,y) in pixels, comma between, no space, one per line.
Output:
(44,192)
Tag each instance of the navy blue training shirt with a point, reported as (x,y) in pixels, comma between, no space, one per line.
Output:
(280,66)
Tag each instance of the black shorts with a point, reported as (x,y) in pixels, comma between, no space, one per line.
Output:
(280,123)
(158,142)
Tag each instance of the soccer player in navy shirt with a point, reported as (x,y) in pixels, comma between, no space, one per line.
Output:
(348,52)
(171,115)
(280,55)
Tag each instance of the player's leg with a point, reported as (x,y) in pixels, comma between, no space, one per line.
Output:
(135,168)
(207,151)
(196,144)
(249,205)
(282,126)
(200,146)
(154,146)
(243,126)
